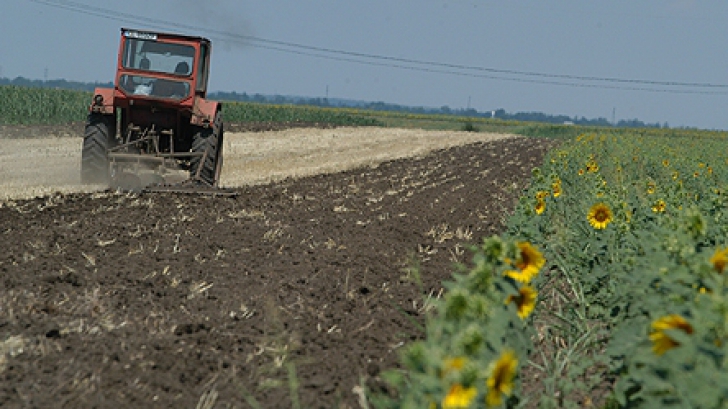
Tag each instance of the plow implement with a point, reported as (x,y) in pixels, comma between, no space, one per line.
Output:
(138,164)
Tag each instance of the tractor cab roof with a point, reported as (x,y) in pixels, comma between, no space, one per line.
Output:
(156,35)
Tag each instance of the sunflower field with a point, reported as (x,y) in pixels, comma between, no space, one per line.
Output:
(609,287)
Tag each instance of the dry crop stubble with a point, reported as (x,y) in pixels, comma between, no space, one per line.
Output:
(39,166)
(263,157)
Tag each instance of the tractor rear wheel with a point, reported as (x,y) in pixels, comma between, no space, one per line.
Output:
(97,139)
(208,140)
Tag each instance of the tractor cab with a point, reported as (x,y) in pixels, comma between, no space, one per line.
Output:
(162,66)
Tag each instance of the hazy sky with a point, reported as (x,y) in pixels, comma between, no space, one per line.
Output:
(510,54)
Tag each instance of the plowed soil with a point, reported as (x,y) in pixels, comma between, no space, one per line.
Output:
(295,293)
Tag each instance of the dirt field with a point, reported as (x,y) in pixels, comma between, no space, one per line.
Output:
(293,294)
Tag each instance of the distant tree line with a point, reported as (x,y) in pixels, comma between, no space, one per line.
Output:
(339,103)
(443,110)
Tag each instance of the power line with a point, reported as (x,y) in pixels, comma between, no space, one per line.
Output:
(472,75)
(396,62)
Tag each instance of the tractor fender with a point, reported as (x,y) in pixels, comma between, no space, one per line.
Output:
(204,111)
(102,101)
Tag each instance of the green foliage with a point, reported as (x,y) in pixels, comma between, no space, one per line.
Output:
(570,132)
(469,127)
(651,278)
(24,106)
(252,112)
(473,332)
(634,227)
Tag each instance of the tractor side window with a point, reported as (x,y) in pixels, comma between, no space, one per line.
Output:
(202,69)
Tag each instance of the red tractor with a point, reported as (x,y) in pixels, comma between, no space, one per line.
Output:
(156,121)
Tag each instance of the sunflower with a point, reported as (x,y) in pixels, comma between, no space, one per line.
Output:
(525,301)
(651,188)
(665,163)
(528,264)
(720,260)
(453,364)
(556,187)
(592,166)
(540,206)
(599,216)
(661,342)
(659,206)
(500,380)
(675,175)
(581,172)
(542,194)
(459,397)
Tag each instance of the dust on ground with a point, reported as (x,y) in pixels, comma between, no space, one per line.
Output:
(40,166)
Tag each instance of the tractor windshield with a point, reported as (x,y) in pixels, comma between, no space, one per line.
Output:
(156,56)
(143,52)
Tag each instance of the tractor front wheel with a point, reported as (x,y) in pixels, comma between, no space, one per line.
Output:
(97,139)
(208,140)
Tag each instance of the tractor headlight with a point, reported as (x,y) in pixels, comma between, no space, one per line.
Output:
(98,99)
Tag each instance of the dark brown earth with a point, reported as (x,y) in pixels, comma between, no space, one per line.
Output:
(293,294)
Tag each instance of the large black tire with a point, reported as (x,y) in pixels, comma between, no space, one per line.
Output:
(210,140)
(98,137)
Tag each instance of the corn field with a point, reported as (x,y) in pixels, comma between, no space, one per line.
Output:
(26,106)
(42,106)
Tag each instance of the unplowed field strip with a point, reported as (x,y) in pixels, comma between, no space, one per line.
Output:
(38,166)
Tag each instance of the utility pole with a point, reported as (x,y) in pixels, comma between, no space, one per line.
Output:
(45,75)
(468,102)
(614,111)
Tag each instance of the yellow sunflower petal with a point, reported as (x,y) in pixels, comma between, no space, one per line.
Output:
(459,397)
(720,259)
(525,301)
(500,378)
(528,264)
(661,341)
